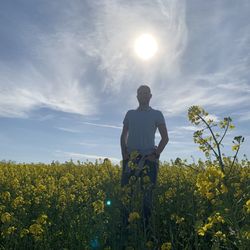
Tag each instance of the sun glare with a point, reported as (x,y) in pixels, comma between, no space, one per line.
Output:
(145,46)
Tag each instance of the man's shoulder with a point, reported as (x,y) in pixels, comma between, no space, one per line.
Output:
(156,110)
(151,109)
(130,110)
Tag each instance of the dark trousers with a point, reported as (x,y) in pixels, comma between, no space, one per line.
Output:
(151,171)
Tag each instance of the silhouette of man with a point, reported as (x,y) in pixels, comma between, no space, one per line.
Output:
(139,134)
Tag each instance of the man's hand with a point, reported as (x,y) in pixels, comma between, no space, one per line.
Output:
(151,157)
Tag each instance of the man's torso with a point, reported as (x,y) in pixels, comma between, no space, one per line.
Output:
(142,126)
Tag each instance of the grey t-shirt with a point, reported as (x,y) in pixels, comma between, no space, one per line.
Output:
(142,126)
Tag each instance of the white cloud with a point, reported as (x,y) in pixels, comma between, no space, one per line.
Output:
(181,143)
(244,116)
(175,100)
(76,156)
(51,78)
(182,131)
(88,144)
(102,125)
(188,128)
(68,130)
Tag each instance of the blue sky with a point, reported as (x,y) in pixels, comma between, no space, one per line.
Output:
(69,73)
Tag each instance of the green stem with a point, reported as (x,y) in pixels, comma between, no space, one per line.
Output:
(224,132)
(204,141)
(216,142)
(234,160)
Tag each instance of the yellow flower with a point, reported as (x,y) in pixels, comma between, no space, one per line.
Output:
(36,229)
(10,230)
(201,231)
(209,182)
(210,195)
(19,201)
(166,246)
(41,188)
(220,235)
(133,216)
(72,197)
(6,196)
(98,206)
(15,183)
(177,218)
(24,232)
(42,219)
(64,181)
(132,165)
(208,226)
(216,218)
(246,235)
(247,206)
(170,193)
(37,200)
(134,154)
(6,217)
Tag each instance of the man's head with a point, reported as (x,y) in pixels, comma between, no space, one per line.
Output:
(144,94)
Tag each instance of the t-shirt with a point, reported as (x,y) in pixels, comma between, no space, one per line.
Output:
(142,126)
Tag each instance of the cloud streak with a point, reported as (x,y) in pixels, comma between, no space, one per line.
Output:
(49,76)
(102,125)
(77,156)
(68,130)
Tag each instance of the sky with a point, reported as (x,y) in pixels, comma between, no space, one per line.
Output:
(69,74)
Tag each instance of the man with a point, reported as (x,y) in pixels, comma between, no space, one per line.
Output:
(139,134)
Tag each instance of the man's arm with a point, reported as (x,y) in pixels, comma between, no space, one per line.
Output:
(164,138)
(123,140)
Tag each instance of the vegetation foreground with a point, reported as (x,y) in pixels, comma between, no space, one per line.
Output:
(78,206)
(204,205)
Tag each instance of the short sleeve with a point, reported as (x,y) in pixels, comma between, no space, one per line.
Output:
(125,120)
(160,118)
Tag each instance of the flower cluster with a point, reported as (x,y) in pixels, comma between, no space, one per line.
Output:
(212,220)
(210,182)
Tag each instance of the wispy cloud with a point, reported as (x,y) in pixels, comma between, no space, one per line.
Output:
(88,144)
(68,130)
(188,128)
(201,91)
(50,75)
(76,156)
(181,143)
(182,130)
(75,66)
(102,125)
(243,116)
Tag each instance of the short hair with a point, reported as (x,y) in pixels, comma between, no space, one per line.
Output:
(145,87)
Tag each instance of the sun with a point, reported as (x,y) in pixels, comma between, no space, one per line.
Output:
(145,46)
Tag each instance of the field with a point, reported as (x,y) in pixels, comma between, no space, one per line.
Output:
(78,206)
